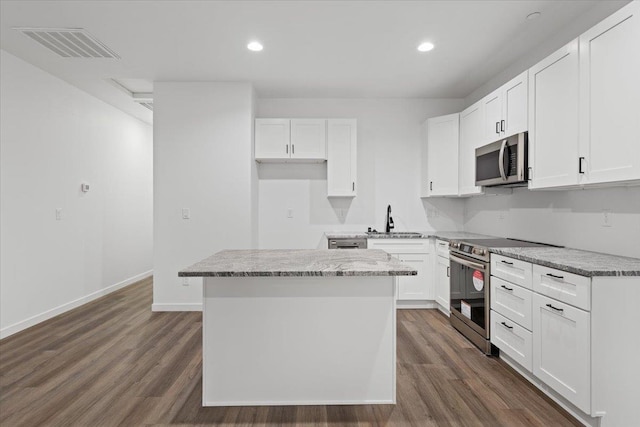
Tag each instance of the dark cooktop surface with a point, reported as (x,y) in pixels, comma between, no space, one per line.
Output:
(504,243)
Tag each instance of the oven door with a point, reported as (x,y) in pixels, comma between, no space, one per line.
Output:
(470,292)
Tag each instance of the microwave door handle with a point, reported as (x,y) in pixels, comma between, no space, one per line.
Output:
(501,160)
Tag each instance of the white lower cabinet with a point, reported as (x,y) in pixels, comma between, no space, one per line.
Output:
(561,349)
(548,337)
(512,301)
(417,254)
(414,287)
(442,284)
(512,339)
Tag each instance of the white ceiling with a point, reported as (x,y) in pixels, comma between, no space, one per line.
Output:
(312,48)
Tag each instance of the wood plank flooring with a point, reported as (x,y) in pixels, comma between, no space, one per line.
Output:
(113,362)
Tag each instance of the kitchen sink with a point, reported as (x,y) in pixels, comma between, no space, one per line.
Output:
(394,234)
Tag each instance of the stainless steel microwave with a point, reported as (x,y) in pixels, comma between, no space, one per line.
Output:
(504,162)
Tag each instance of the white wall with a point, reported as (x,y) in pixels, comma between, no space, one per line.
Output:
(53,137)
(203,161)
(389,155)
(568,218)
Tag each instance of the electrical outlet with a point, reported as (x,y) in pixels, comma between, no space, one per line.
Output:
(58,214)
(186,213)
(185,281)
(502,215)
(289,213)
(606,218)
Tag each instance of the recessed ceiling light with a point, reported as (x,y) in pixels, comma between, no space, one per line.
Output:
(255,46)
(533,15)
(425,47)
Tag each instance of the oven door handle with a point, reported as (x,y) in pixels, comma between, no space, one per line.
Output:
(501,160)
(463,261)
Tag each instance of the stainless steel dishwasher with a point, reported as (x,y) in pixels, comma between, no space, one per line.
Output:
(348,243)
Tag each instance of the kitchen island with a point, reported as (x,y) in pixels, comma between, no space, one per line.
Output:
(298,327)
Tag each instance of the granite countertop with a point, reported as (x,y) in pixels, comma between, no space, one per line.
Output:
(298,262)
(443,235)
(575,261)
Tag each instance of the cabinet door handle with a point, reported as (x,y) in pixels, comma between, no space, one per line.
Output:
(530,177)
(353,186)
(286,147)
(507,326)
(509,289)
(497,127)
(580,160)
(554,276)
(293,149)
(431,186)
(554,308)
(501,125)
(506,262)
(448,271)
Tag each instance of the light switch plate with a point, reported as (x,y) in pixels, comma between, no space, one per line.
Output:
(606,218)
(186,213)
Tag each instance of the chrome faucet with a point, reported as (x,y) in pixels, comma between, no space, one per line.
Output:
(390,225)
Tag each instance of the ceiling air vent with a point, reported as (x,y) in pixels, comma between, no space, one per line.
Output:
(69,42)
(146,104)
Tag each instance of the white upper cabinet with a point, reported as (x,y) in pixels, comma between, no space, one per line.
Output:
(610,98)
(272,138)
(553,119)
(471,137)
(308,139)
(505,109)
(342,141)
(442,155)
(286,139)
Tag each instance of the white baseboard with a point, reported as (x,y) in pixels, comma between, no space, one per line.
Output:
(412,304)
(34,320)
(177,307)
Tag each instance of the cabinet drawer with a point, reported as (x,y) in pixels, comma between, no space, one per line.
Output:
(566,287)
(511,270)
(442,248)
(511,301)
(512,339)
(400,246)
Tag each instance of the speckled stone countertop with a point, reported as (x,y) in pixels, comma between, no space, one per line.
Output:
(443,235)
(298,262)
(575,261)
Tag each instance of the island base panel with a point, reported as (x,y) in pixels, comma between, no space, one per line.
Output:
(299,341)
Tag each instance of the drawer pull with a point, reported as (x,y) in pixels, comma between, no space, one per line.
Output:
(554,308)
(509,289)
(554,276)
(507,326)
(506,262)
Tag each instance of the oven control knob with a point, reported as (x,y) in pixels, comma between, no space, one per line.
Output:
(454,244)
(480,252)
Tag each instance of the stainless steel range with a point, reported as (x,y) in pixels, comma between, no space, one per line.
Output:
(470,275)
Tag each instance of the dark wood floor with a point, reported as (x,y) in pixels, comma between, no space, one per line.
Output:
(114,362)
